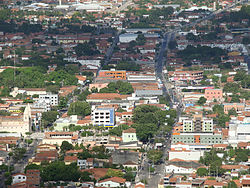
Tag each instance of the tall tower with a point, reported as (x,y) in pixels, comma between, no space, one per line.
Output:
(60,2)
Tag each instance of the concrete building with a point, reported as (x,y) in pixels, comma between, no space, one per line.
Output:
(62,124)
(238,132)
(185,76)
(19,124)
(113,74)
(202,138)
(17,178)
(214,94)
(129,135)
(103,117)
(239,107)
(112,182)
(127,37)
(186,155)
(50,98)
(197,124)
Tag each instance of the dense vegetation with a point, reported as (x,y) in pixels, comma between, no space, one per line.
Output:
(150,119)
(35,77)
(123,88)
(203,53)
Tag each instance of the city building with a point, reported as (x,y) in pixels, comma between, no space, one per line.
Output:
(19,124)
(113,74)
(185,76)
(199,138)
(214,94)
(129,135)
(197,124)
(238,132)
(239,107)
(103,117)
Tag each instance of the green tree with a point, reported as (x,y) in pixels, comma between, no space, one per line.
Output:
(141,40)
(79,108)
(155,155)
(66,146)
(145,131)
(202,172)
(85,176)
(202,100)
(114,173)
(129,176)
(172,44)
(49,117)
(58,171)
(18,153)
(232,184)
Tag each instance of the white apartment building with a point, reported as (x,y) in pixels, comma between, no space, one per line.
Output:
(49,98)
(103,117)
(238,132)
(198,124)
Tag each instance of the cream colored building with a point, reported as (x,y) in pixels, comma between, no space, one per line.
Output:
(20,124)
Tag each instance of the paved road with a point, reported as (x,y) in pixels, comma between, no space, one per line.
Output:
(115,10)
(19,166)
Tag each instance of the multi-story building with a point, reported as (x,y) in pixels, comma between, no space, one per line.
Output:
(239,107)
(238,132)
(113,74)
(49,98)
(214,94)
(185,76)
(197,124)
(103,117)
(199,138)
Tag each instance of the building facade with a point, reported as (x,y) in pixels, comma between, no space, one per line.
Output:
(214,94)
(103,117)
(201,138)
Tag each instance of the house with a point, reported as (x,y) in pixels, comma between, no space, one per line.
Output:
(45,147)
(182,167)
(56,138)
(129,135)
(235,168)
(48,156)
(82,163)
(28,91)
(179,169)
(90,162)
(81,79)
(131,164)
(101,97)
(139,185)
(112,182)
(17,178)
(214,183)
(186,155)
(70,159)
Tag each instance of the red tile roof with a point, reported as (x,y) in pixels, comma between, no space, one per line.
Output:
(114,179)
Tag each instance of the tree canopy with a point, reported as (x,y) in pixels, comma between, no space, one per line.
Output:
(121,87)
(79,108)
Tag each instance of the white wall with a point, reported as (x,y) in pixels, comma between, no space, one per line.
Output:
(186,155)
